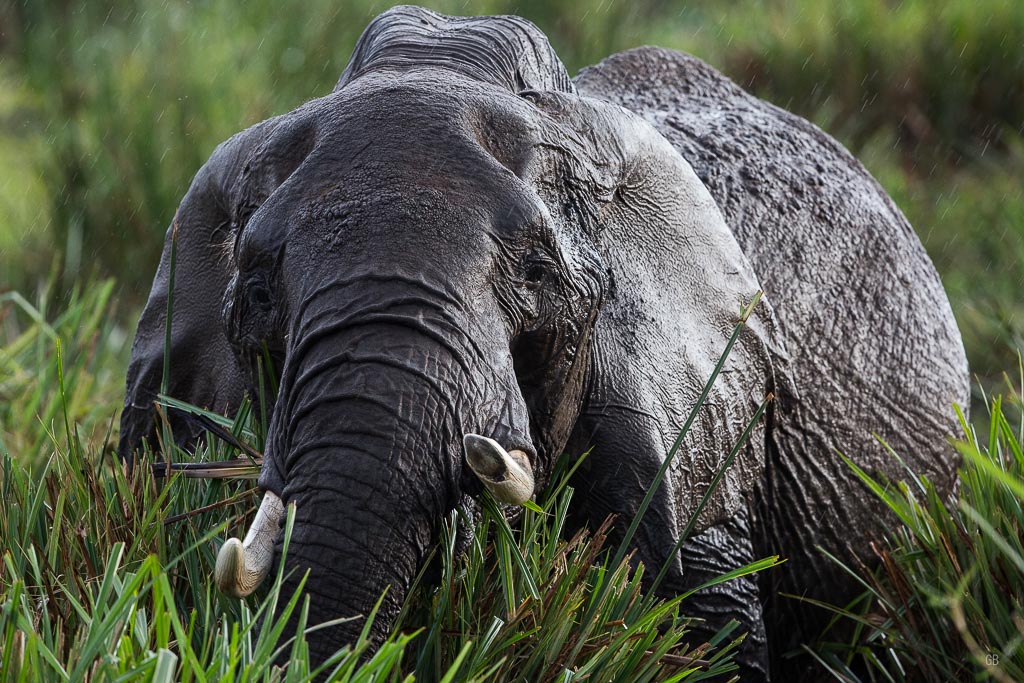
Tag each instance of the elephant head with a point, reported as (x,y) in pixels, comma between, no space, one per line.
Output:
(452,257)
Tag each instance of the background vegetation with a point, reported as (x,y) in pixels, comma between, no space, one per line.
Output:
(107,108)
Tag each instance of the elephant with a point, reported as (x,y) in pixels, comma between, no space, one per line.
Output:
(464,263)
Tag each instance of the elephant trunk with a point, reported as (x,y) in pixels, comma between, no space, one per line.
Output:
(375,410)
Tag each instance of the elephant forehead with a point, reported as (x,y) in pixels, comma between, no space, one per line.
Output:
(395,159)
(407,139)
(402,219)
(431,124)
(439,98)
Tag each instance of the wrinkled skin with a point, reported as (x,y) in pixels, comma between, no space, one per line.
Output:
(460,239)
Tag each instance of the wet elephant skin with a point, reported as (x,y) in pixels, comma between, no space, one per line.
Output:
(460,239)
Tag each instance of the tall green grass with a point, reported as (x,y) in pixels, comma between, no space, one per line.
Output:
(946,602)
(107,575)
(97,581)
(94,346)
(106,572)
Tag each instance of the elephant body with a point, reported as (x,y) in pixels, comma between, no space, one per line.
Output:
(460,240)
(868,347)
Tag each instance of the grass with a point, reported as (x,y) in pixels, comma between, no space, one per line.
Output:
(95,349)
(106,573)
(946,78)
(946,600)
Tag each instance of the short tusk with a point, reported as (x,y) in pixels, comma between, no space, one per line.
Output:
(507,475)
(242,565)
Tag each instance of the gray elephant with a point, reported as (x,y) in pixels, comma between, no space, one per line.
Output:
(466,263)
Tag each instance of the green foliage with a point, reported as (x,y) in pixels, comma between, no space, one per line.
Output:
(972,224)
(944,74)
(583,618)
(99,580)
(946,601)
(95,353)
(132,98)
(98,584)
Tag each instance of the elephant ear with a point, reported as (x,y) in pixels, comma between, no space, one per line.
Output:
(676,283)
(203,367)
(506,51)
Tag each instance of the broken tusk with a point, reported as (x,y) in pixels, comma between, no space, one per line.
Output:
(507,475)
(242,565)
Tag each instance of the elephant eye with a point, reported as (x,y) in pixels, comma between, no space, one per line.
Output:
(535,269)
(261,296)
(259,293)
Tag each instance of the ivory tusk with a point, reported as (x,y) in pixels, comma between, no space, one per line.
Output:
(242,565)
(507,475)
